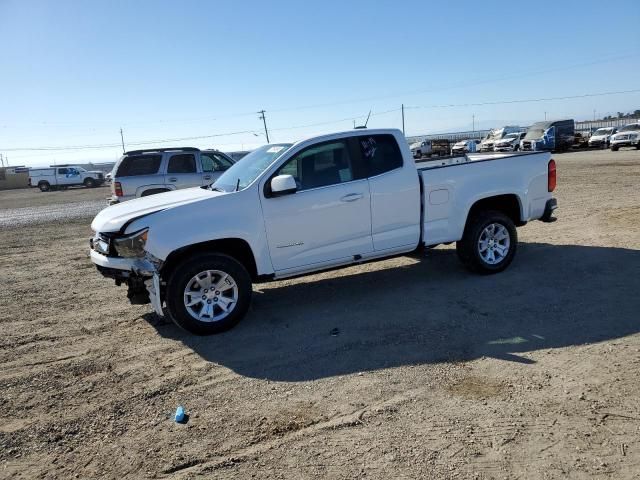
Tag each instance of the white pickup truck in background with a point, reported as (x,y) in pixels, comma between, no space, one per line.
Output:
(60,177)
(329,201)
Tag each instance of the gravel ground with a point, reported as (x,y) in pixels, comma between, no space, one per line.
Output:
(435,373)
(31,206)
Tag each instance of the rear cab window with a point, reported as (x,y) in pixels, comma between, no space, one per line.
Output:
(380,153)
(135,165)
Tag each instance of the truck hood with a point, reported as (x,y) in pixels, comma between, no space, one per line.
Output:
(114,218)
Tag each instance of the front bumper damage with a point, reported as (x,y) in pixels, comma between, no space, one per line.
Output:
(141,275)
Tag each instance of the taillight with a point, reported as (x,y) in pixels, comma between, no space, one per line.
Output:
(551,177)
(117,188)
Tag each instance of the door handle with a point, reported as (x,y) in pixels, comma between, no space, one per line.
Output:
(173,179)
(352,197)
(207,177)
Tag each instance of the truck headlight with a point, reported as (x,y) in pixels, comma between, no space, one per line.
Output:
(131,245)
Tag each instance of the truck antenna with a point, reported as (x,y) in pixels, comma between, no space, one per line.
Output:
(366,121)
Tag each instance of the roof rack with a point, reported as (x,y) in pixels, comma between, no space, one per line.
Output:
(172,149)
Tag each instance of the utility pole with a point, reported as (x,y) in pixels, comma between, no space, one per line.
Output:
(122,138)
(473,123)
(264,121)
(545,115)
(1,160)
(594,114)
(403,119)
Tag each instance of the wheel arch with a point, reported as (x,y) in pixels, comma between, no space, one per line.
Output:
(236,248)
(509,204)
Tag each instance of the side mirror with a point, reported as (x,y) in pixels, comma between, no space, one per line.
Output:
(283,185)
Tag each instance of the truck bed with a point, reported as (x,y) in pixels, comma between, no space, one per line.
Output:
(448,194)
(449,161)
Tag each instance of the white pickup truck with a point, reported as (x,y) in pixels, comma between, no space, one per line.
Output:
(61,177)
(329,201)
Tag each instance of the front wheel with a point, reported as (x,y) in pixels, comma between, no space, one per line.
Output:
(208,293)
(489,243)
(614,148)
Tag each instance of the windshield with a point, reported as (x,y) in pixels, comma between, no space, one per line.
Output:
(495,134)
(630,128)
(536,131)
(511,136)
(248,168)
(602,131)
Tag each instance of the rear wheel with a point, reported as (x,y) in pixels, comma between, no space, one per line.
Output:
(489,243)
(89,182)
(44,186)
(208,293)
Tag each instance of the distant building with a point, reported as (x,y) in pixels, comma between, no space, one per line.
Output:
(14,177)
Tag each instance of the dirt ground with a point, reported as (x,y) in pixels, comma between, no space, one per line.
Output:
(434,372)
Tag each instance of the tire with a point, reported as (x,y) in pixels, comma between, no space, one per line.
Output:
(614,148)
(516,148)
(469,248)
(89,182)
(183,280)
(44,186)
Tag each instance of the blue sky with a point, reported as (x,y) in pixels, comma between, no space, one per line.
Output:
(73,72)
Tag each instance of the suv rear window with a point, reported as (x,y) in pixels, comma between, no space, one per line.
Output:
(139,165)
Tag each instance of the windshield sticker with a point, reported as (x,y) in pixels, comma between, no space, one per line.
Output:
(274,149)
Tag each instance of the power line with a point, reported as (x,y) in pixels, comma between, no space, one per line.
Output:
(530,100)
(359,100)
(170,140)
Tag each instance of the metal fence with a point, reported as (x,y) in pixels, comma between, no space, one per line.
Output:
(452,137)
(592,125)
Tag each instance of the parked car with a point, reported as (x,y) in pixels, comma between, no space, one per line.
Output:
(140,173)
(628,136)
(509,143)
(465,146)
(428,148)
(556,135)
(602,137)
(61,177)
(489,142)
(291,209)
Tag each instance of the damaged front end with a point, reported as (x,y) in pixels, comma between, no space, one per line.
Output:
(123,259)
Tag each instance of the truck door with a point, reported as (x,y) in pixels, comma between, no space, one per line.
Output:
(68,176)
(327,219)
(182,171)
(550,138)
(395,193)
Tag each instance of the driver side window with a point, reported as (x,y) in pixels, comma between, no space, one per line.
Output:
(320,166)
(214,163)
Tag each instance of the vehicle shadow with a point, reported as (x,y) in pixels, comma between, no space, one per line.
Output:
(429,311)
